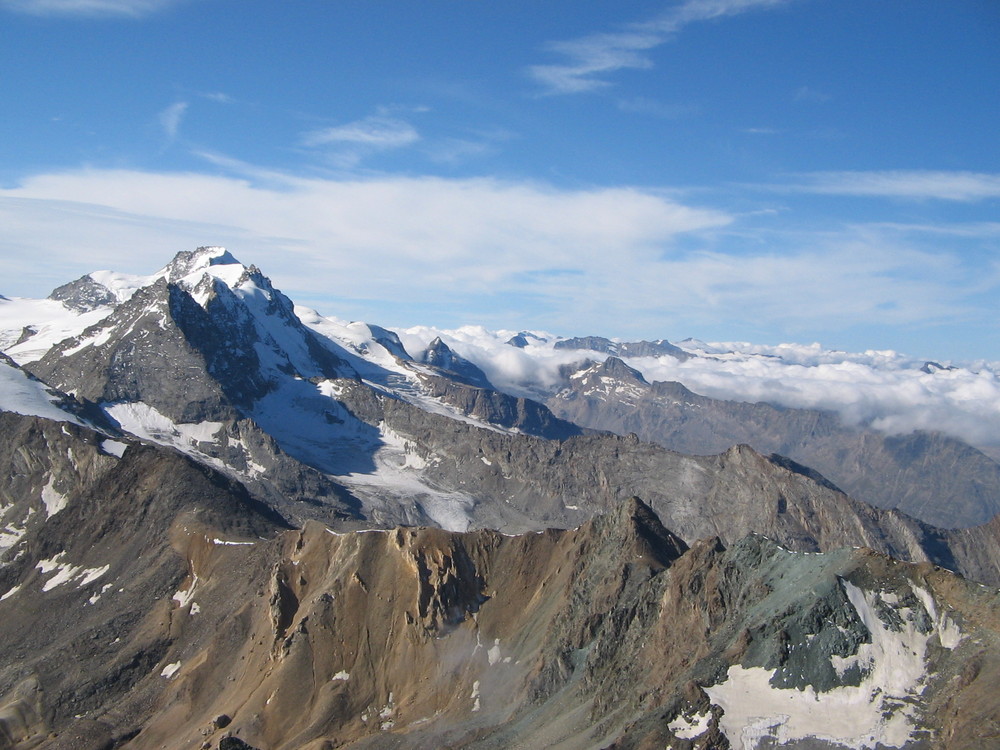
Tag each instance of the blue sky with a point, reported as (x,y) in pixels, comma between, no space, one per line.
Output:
(764,170)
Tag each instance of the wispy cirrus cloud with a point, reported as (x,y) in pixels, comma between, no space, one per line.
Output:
(912,184)
(128,8)
(376,131)
(170,119)
(590,59)
(348,144)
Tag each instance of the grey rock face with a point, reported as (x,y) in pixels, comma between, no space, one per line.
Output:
(496,408)
(83,295)
(440,356)
(938,479)
(143,352)
(624,349)
(191,362)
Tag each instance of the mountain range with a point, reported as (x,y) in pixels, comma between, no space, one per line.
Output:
(233,522)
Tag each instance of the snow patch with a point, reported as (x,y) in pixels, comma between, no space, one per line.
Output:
(170,670)
(184,597)
(99,594)
(53,500)
(68,573)
(879,711)
(342,675)
(226,543)
(143,420)
(49,318)
(11,592)
(11,534)
(114,447)
(493,655)
(689,727)
(22,395)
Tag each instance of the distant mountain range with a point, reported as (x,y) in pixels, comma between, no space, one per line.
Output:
(231,522)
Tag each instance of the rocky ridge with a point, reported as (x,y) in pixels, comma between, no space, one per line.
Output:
(210,626)
(936,478)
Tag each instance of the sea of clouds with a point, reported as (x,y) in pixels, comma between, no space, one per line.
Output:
(885,390)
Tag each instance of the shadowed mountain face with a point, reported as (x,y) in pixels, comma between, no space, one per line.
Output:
(938,479)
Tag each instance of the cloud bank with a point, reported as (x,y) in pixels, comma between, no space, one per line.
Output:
(885,390)
(914,184)
(398,250)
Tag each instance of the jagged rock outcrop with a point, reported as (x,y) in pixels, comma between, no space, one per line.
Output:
(440,357)
(84,295)
(625,348)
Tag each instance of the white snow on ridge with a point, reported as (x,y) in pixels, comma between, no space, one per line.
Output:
(121,285)
(52,321)
(22,395)
(144,421)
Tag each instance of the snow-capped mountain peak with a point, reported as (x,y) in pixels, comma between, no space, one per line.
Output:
(216,261)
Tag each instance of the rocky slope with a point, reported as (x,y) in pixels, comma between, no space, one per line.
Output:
(87,585)
(517,482)
(936,478)
(190,620)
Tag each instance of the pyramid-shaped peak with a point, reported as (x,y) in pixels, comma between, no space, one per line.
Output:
(189,262)
(615,367)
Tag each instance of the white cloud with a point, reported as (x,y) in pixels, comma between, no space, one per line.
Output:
(883,389)
(170,118)
(372,237)
(375,131)
(134,8)
(589,58)
(911,184)
(391,250)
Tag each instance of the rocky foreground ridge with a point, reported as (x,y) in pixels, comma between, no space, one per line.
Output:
(163,607)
